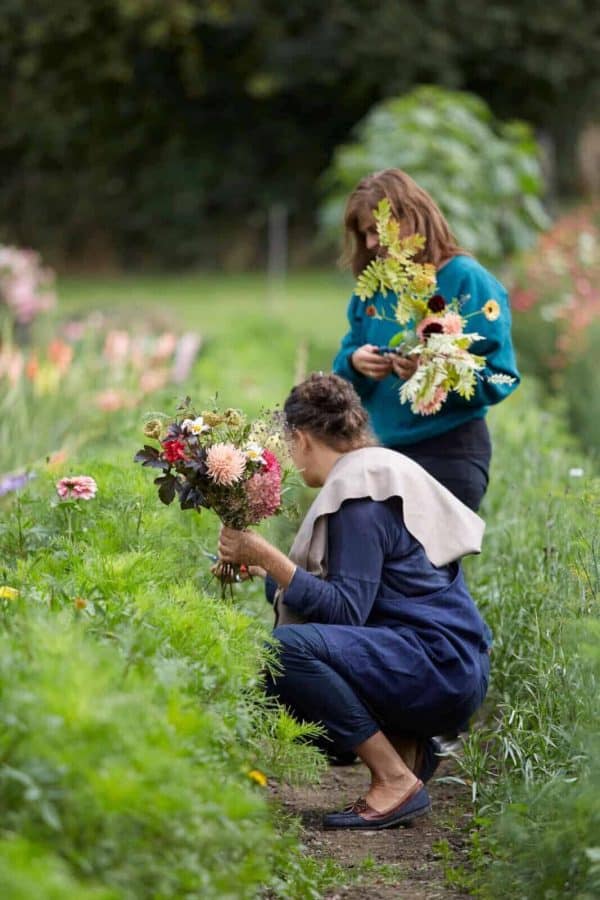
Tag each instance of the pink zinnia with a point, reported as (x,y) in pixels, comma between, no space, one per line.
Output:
(225,464)
(452,323)
(76,487)
(263,492)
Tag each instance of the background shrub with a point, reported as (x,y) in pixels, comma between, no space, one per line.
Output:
(484,174)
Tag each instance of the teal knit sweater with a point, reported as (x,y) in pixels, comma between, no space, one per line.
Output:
(393,422)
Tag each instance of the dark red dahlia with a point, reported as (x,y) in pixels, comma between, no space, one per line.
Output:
(436,303)
(432,328)
(174,450)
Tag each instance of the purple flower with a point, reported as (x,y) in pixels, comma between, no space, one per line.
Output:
(11,483)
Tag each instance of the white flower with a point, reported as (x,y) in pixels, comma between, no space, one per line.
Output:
(195,426)
(254,452)
(501,378)
(576,473)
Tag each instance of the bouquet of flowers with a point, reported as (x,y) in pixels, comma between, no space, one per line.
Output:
(218,460)
(434,329)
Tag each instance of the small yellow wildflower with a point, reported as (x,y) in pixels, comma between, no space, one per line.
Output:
(8,593)
(259,777)
(80,603)
(491,310)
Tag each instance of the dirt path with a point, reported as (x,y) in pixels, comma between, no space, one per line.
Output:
(400,863)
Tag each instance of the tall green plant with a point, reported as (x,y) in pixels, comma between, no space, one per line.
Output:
(484,174)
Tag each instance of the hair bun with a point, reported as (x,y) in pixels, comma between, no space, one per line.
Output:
(329,407)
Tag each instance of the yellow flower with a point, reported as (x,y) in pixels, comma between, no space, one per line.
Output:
(80,603)
(491,310)
(8,593)
(258,776)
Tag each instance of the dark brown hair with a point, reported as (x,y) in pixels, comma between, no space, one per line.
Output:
(409,202)
(329,408)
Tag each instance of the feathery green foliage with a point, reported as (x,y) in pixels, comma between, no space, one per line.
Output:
(532,763)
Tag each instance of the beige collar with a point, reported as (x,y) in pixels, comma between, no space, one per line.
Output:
(445,527)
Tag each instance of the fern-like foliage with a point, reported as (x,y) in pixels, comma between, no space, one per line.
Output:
(412,282)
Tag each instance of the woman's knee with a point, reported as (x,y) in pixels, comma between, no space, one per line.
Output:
(299,641)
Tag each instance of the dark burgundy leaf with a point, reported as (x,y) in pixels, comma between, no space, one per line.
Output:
(167,487)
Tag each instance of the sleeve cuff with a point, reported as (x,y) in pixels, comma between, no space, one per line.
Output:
(298,589)
(270,588)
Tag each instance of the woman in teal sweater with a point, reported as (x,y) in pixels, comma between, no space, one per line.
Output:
(454,444)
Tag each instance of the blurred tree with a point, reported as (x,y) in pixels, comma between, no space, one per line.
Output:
(484,174)
(168,127)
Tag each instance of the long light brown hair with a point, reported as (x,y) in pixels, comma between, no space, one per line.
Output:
(409,203)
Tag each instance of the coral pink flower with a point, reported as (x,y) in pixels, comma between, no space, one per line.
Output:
(113,399)
(434,405)
(452,323)
(116,346)
(76,487)
(153,380)
(165,346)
(225,464)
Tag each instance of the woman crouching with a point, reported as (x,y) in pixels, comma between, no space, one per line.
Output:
(380,640)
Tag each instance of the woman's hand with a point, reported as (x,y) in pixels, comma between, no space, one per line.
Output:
(404,366)
(241,547)
(252,550)
(369,362)
(244,573)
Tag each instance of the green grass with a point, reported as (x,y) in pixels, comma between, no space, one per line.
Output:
(311,304)
(531,764)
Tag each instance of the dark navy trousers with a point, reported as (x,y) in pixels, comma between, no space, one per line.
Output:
(314,691)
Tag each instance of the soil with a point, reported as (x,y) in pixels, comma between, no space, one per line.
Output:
(401,863)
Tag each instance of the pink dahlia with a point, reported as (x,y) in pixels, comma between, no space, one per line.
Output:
(76,487)
(225,464)
(429,408)
(263,492)
(452,323)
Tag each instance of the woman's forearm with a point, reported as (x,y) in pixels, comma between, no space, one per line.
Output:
(253,549)
(278,565)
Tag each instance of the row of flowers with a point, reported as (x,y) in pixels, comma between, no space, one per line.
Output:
(130,366)
(558,283)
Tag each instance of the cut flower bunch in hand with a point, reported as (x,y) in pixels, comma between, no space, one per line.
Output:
(433,329)
(218,460)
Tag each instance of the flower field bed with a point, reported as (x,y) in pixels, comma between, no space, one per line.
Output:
(135,739)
